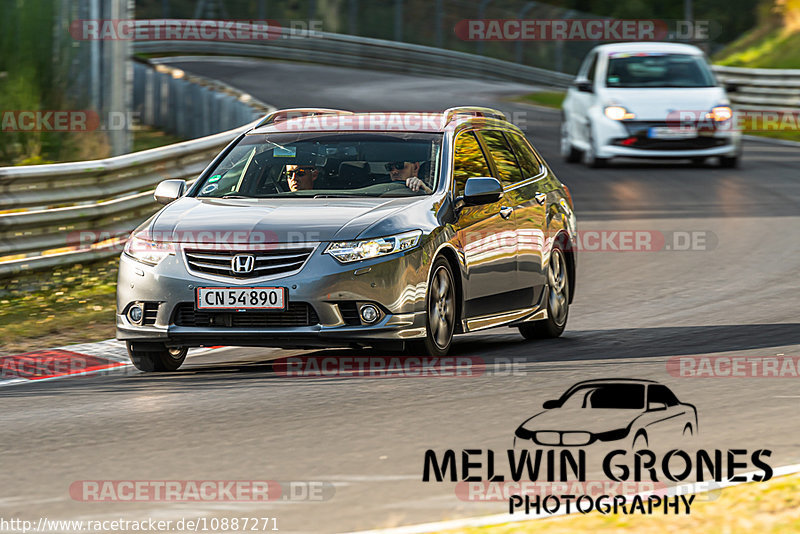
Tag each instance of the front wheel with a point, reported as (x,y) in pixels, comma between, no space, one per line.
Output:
(568,151)
(557,300)
(441,309)
(590,158)
(158,360)
(729,162)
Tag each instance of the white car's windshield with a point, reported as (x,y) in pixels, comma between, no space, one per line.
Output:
(327,165)
(657,70)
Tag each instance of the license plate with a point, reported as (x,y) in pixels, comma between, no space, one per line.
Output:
(241,298)
(669,132)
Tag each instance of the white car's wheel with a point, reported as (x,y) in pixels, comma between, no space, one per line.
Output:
(590,158)
(568,151)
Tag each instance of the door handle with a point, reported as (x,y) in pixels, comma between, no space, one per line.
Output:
(505,212)
(540,197)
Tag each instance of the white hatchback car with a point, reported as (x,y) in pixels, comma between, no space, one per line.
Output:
(648,100)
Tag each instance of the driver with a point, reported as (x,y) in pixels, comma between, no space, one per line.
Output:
(301,177)
(406,171)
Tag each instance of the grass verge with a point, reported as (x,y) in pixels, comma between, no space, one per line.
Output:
(549,99)
(73,304)
(764,507)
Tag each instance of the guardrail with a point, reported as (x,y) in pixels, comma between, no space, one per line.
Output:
(351,51)
(43,209)
(762,88)
(69,213)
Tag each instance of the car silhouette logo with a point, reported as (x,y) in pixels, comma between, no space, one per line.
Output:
(637,411)
(243,263)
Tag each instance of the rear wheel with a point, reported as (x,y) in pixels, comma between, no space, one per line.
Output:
(158,360)
(557,300)
(441,309)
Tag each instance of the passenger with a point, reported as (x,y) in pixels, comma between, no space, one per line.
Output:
(406,171)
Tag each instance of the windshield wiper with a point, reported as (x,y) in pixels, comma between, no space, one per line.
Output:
(234,196)
(337,196)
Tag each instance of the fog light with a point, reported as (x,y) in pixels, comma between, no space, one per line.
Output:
(369,313)
(135,314)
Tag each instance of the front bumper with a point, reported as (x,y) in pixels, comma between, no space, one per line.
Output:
(631,139)
(397,284)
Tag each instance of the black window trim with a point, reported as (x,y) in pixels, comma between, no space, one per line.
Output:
(542,167)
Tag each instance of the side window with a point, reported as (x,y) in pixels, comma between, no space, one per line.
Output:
(503,157)
(527,159)
(658,393)
(468,161)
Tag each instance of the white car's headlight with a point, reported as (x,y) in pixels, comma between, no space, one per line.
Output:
(720,113)
(145,250)
(350,251)
(618,113)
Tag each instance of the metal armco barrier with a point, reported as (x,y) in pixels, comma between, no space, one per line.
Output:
(44,208)
(762,88)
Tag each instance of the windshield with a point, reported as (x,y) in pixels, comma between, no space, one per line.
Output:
(615,396)
(657,70)
(327,165)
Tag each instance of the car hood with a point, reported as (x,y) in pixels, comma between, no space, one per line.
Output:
(656,104)
(581,419)
(193,220)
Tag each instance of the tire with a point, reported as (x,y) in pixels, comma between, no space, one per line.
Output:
(590,159)
(568,152)
(698,162)
(157,360)
(557,300)
(729,162)
(440,304)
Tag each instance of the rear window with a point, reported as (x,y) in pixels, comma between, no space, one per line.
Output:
(657,70)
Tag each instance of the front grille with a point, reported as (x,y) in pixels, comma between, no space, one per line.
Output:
(694,143)
(267,262)
(296,314)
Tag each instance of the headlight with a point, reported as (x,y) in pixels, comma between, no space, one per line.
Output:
(147,251)
(618,113)
(720,113)
(350,251)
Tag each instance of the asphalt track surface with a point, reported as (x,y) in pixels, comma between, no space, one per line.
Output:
(227,415)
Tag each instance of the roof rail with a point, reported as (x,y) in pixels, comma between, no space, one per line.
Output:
(293,113)
(451,113)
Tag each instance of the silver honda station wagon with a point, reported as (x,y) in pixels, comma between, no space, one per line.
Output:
(328,228)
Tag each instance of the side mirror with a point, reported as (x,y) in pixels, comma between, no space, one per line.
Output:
(549,405)
(656,406)
(584,86)
(482,190)
(731,87)
(169,190)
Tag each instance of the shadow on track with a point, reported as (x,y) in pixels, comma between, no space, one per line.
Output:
(574,346)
